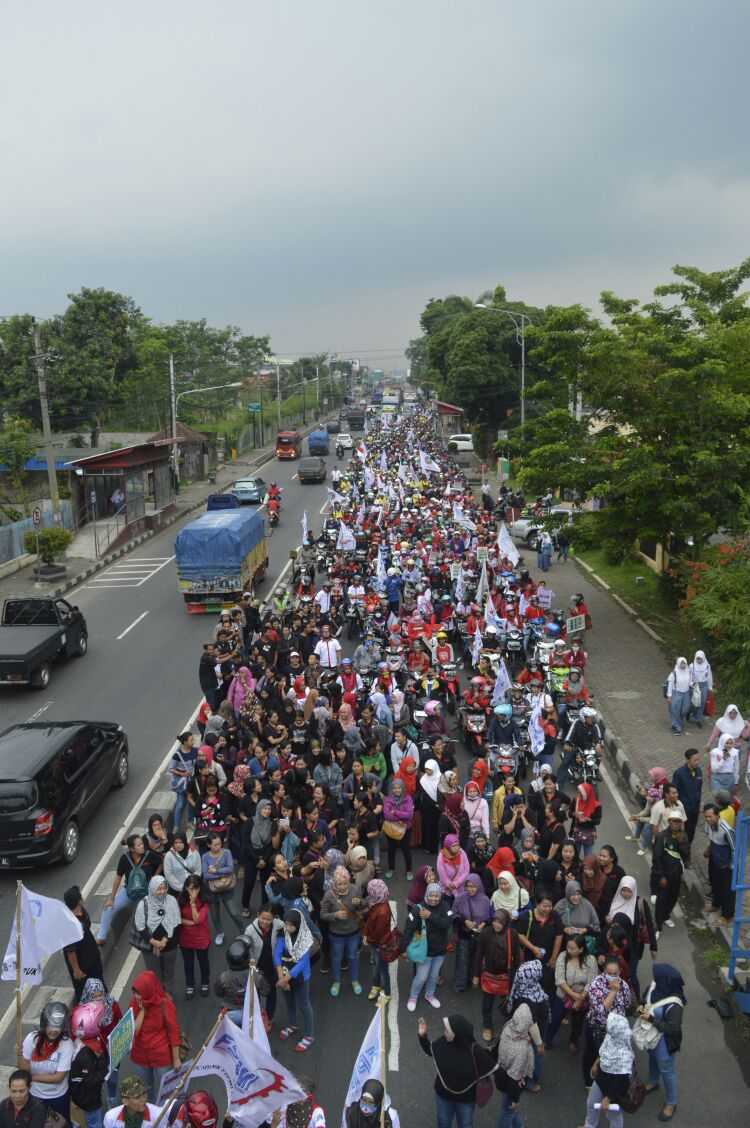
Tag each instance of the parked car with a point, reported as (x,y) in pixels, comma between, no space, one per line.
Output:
(53,776)
(249,490)
(333,426)
(312,470)
(463,442)
(526,528)
(36,633)
(345,441)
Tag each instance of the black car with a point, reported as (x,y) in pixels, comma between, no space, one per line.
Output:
(312,470)
(333,426)
(53,776)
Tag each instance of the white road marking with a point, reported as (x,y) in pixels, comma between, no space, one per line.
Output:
(43,709)
(96,876)
(131,573)
(395,1036)
(283,572)
(293,476)
(133,624)
(125,972)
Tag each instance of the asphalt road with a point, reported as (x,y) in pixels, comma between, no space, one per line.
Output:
(146,679)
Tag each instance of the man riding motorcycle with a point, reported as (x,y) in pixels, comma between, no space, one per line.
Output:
(503,728)
(582,736)
(573,693)
(367,655)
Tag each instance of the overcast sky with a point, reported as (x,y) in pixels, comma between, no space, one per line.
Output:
(318,171)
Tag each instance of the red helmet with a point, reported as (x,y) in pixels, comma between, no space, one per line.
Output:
(478,683)
(85,1019)
(200,1110)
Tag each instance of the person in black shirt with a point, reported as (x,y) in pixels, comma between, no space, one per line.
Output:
(207,674)
(82,958)
(542,938)
(20,1109)
(136,855)
(613,875)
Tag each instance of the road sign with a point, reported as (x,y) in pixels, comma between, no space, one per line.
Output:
(574,624)
(253,407)
(37,515)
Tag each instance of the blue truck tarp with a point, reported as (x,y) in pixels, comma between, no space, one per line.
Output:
(317,442)
(216,543)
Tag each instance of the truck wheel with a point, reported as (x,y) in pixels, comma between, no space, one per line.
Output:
(122,770)
(82,645)
(40,678)
(70,842)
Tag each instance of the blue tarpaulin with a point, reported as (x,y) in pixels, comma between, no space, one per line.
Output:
(217,543)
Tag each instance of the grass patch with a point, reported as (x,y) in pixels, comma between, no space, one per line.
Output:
(715,956)
(651,599)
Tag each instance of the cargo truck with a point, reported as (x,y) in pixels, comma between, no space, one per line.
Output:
(317,442)
(220,555)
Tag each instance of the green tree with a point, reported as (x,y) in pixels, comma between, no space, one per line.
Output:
(16,449)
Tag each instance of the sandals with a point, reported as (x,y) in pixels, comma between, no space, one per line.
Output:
(287,1032)
(303,1044)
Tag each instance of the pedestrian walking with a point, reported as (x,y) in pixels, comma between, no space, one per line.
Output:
(83,958)
(671,855)
(135,868)
(341,908)
(497,956)
(460,1064)
(94,991)
(679,684)
(291,959)
(515,1056)
(703,682)
(428,925)
(611,1073)
(664,1006)
(720,854)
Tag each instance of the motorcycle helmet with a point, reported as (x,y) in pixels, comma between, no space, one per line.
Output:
(490,630)
(238,954)
(478,683)
(201,1110)
(559,645)
(55,1015)
(432,707)
(441,636)
(502,711)
(346,661)
(446,599)
(85,1019)
(552,629)
(392,572)
(577,598)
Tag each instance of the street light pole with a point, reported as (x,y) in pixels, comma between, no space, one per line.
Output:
(49,455)
(278,394)
(521,339)
(173,407)
(317,388)
(176,402)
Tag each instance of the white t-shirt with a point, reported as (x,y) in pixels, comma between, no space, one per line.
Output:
(328,651)
(59,1061)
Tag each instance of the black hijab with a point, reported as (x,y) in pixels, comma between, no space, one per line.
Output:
(355,1118)
(459,1060)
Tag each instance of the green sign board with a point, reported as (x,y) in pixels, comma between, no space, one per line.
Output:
(253,407)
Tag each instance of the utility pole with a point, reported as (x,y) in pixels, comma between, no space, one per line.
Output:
(317,388)
(173,408)
(302,370)
(278,394)
(41,376)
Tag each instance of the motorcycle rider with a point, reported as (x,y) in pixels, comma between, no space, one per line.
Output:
(575,655)
(274,492)
(533,613)
(477,696)
(367,655)
(349,679)
(273,506)
(531,674)
(199,1111)
(503,727)
(574,693)
(582,736)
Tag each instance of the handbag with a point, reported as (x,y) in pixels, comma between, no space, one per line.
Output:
(498,984)
(416,949)
(645,1034)
(223,884)
(394,830)
(184,1045)
(390,948)
(484,1086)
(139,937)
(582,836)
(633,1098)
(695,696)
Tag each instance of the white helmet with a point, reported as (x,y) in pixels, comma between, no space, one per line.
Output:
(490,630)
(393,571)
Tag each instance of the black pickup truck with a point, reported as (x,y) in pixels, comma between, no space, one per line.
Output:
(34,634)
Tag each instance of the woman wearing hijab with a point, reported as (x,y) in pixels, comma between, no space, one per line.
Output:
(497,956)
(156,1043)
(94,991)
(679,684)
(527,988)
(291,958)
(664,1005)
(424,876)
(510,896)
(407,774)
(235,793)
(576,913)
(731,723)
(613,872)
(592,879)
(702,676)
(454,819)
(261,841)
(515,1057)
(366,1111)
(398,813)
(459,1063)
(435,917)
(180,862)
(157,917)
(341,908)
(633,914)
(611,1073)
(724,765)
(585,814)
(480,854)
(240,686)
(452,866)
(375,931)
(476,808)
(471,912)
(429,806)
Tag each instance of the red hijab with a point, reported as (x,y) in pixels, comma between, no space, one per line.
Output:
(502,860)
(149,988)
(587,806)
(479,774)
(409,777)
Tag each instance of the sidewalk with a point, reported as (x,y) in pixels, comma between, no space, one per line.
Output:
(191,496)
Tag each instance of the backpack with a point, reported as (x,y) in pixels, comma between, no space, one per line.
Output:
(136,885)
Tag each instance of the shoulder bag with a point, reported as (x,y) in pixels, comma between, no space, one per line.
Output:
(390,947)
(645,1035)
(484,1086)
(416,949)
(139,937)
(184,1045)
(394,830)
(225,883)
(497,984)
(632,1100)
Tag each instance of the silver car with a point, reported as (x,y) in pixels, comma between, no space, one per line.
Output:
(527,528)
(249,490)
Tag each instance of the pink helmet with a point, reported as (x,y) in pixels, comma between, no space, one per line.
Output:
(85,1019)
(432,707)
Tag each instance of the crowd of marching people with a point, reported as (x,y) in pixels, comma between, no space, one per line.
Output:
(317,779)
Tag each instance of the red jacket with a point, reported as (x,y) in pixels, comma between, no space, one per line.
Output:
(379,924)
(152,1045)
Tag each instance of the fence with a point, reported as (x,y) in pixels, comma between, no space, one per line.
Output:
(11,536)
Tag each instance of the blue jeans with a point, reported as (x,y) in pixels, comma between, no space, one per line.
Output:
(120,902)
(643,831)
(510,1117)
(446,1110)
(679,706)
(426,973)
(661,1064)
(381,974)
(93,1119)
(151,1076)
(299,992)
(349,945)
(180,806)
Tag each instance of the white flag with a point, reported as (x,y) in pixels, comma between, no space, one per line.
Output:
(460,586)
(491,617)
(47,926)
(502,682)
(346,538)
(505,545)
(255,1083)
(361,452)
(427,464)
(401,472)
(477,646)
(383,462)
(360,515)
(380,573)
(259,1034)
(304,526)
(482,586)
(333,496)
(536,734)
(462,520)
(367,1064)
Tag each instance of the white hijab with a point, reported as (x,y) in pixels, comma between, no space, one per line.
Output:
(681,676)
(429,783)
(699,667)
(621,904)
(728,726)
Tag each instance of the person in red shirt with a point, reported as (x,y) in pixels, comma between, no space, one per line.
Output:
(443,651)
(417,661)
(575,656)
(477,696)
(531,673)
(194,936)
(156,1044)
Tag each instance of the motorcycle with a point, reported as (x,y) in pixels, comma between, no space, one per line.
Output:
(339,451)
(353,620)
(394,657)
(450,676)
(585,768)
(273,519)
(514,650)
(473,726)
(503,760)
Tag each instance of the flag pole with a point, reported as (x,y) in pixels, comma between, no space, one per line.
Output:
(19,1028)
(193,1064)
(383,1008)
(251,1001)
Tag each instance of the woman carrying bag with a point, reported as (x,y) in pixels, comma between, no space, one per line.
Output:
(424,942)
(663,1009)
(471,912)
(496,960)
(462,1067)
(155,931)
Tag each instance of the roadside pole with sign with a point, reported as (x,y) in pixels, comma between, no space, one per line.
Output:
(37,517)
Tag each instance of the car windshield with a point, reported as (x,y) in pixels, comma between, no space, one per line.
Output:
(16,796)
(248,484)
(285,441)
